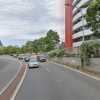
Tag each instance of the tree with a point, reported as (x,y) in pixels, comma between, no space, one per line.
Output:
(62,45)
(37,46)
(42,46)
(29,46)
(51,39)
(1,43)
(24,49)
(1,51)
(93,17)
(11,50)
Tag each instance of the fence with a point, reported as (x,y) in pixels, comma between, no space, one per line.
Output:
(74,50)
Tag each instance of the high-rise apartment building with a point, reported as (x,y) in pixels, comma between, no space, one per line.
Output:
(74,23)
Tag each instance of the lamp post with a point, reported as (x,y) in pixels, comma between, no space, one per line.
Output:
(66,4)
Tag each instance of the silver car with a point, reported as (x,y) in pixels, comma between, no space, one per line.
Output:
(33,63)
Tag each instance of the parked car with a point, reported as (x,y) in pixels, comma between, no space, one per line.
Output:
(33,63)
(20,58)
(41,58)
(26,59)
(15,56)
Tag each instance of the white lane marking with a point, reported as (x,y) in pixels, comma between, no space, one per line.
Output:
(19,85)
(12,79)
(77,71)
(48,69)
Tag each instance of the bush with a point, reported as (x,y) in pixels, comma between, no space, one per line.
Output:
(69,55)
(88,49)
(52,53)
(61,53)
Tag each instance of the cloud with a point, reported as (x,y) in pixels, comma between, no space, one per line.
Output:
(29,19)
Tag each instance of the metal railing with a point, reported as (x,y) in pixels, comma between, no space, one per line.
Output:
(74,50)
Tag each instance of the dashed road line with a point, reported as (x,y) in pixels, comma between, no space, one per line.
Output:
(48,69)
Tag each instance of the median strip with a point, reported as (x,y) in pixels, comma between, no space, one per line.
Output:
(10,92)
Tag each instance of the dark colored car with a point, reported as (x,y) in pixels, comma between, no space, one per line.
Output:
(41,58)
(20,58)
(15,56)
(26,59)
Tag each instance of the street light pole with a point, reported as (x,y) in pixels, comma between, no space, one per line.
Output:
(66,4)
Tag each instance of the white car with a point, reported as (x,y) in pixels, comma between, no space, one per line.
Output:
(33,63)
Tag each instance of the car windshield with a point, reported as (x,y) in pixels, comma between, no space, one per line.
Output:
(42,56)
(33,60)
(27,58)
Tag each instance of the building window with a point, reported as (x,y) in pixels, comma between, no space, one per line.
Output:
(86,38)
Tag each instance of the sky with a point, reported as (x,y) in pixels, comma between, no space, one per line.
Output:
(27,20)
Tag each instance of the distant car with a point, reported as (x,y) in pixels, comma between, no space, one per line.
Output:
(41,58)
(33,63)
(26,59)
(15,56)
(20,58)
(11,55)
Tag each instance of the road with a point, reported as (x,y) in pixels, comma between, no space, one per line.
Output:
(8,69)
(53,82)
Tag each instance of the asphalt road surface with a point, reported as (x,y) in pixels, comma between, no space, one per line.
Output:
(8,69)
(53,82)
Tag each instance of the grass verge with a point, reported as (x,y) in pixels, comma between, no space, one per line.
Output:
(82,69)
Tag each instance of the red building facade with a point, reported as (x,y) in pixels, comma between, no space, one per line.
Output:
(68,25)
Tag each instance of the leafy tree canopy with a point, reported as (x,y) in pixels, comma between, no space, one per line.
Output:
(52,38)
(93,17)
(44,44)
(62,45)
(1,43)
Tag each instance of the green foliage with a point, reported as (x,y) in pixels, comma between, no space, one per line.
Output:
(1,43)
(10,50)
(52,38)
(24,49)
(52,54)
(45,44)
(93,17)
(88,49)
(1,51)
(62,46)
(29,46)
(68,54)
(60,53)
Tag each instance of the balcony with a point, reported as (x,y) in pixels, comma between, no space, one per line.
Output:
(75,2)
(77,44)
(80,34)
(76,17)
(78,25)
(80,4)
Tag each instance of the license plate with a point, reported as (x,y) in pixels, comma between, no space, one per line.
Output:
(34,65)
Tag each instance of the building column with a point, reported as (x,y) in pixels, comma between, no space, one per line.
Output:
(68,25)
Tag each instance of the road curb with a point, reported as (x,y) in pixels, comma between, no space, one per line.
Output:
(96,78)
(12,89)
